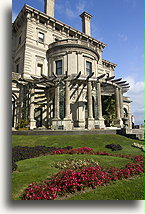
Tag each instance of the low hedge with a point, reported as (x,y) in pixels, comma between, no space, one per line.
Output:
(25,152)
(114,147)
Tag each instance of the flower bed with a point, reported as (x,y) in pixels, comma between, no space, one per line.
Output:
(70,181)
(76,164)
(140,146)
(25,152)
(83,150)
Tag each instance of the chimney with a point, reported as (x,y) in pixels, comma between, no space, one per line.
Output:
(86,23)
(49,7)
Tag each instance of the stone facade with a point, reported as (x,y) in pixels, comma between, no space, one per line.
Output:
(59,75)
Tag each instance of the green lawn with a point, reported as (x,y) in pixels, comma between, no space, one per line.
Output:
(38,169)
(131,189)
(96,142)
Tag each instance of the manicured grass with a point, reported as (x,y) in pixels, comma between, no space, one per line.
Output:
(38,169)
(131,189)
(96,142)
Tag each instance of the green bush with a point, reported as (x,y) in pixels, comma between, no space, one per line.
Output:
(23,124)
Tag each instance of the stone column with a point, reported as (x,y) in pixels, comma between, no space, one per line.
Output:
(91,124)
(67,120)
(67,100)
(20,104)
(117,103)
(100,119)
(32,108)
(129,118)
(99,101)
(56,103)
(121,102)
(89,95)
(48,107)
(118,121)
(81,109)
(56,119)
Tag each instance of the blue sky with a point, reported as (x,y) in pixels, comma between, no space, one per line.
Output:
(117,23)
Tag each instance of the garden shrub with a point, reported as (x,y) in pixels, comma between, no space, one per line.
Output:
(114,147)
(25,152)
(23,124)
(14,165)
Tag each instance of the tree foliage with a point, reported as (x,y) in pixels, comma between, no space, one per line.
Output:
(108,103)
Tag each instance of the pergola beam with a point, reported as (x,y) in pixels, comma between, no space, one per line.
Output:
(110,78)
(101,76)
(117,80)
(124,84)
(119,83)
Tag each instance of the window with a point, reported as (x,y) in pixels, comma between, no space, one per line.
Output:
(88,68)
(39,69)
(59,67)
(41,21)
(57,28)
(19,40)
(17,68)
(41,37)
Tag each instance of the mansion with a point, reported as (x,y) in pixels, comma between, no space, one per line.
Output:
(60,80)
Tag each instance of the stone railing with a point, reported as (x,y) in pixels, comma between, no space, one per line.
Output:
(72,41)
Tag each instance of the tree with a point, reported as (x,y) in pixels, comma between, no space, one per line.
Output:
(108,103)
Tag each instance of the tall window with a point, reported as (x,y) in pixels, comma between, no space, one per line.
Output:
(17,68)
(59,67)
(20,38)
(41,37)
(88,68)
(39,69)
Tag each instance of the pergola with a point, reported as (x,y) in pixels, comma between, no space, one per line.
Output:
(102,84)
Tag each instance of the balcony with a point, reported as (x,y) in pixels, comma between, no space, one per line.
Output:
(73,43)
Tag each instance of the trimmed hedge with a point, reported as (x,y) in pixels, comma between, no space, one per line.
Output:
(25,152)
(114,147)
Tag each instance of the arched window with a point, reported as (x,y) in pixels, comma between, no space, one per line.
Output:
(125,112)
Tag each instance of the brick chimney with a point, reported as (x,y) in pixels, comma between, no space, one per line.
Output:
(86,17)
(49,7)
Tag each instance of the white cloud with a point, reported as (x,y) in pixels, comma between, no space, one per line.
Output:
(66,10)
(136,93)
(81,6)
(122,37)
(70,13)
(96,31)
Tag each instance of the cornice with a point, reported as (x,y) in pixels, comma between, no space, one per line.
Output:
(29,13)
(64,46)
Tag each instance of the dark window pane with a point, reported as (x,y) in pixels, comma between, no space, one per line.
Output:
(41,37)
(59,67)
(17,68)
(88,68)
(19,40)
